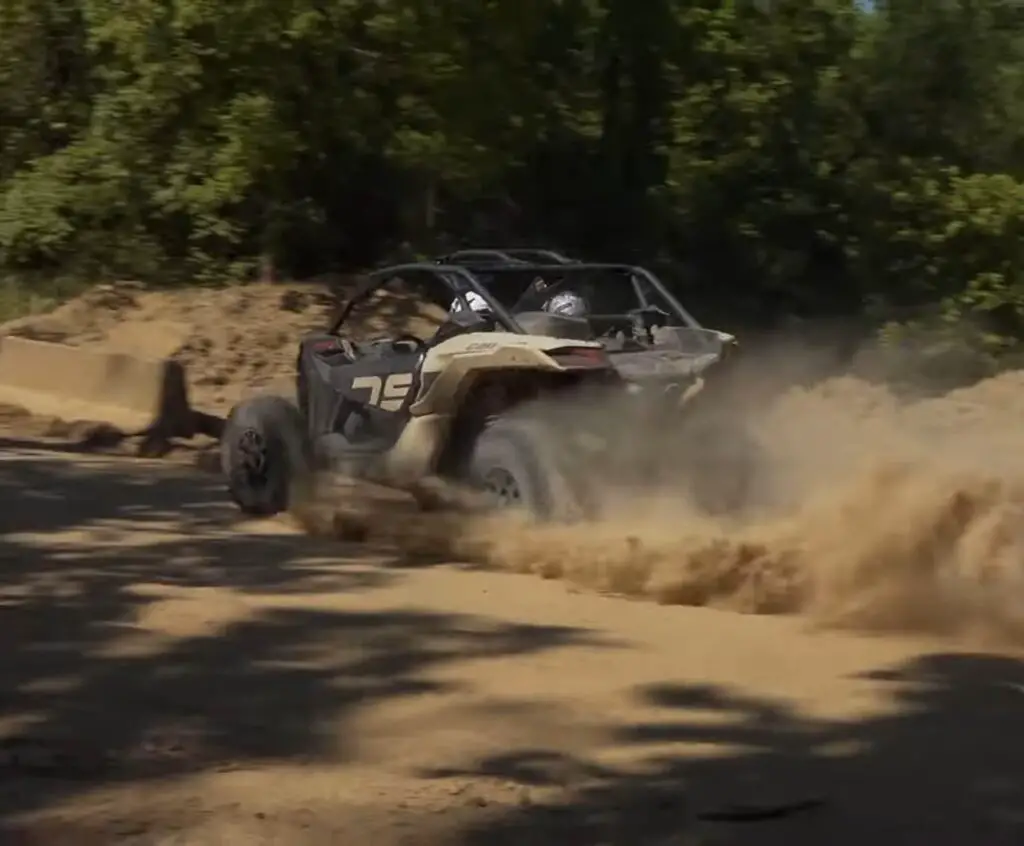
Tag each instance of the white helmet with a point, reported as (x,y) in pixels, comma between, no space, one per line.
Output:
(567,304)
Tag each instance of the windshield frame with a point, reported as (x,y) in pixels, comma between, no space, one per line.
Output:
(634,273)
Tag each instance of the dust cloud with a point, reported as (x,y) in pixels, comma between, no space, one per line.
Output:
(863,510)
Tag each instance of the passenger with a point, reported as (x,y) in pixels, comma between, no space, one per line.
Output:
(567,304)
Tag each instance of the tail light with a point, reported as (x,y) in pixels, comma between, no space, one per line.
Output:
(580,356)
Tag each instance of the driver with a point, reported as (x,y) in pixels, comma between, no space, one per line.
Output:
(566,303)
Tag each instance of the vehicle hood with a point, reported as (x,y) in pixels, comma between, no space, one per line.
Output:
(677,353)
(659,364)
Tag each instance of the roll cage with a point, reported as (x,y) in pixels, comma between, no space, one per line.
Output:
(450,281)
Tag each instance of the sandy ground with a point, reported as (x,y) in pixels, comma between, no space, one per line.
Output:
(173,675)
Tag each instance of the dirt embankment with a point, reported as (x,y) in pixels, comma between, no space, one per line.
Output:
(233,341)
(869,511)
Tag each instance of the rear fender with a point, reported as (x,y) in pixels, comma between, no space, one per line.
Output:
(453,367)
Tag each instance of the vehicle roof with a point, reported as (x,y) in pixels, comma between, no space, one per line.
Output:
(512,255)
(554,255)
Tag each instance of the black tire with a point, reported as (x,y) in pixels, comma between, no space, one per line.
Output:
(265,455)
(520,454)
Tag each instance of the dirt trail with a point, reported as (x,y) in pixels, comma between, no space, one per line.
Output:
(227,681)
(173,675)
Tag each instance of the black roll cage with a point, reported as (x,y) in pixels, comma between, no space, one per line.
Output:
(446,273)
(462,280)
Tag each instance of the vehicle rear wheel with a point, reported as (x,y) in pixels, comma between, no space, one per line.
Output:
(517,464)
(266,455)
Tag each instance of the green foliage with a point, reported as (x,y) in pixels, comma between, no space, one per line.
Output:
(799,157)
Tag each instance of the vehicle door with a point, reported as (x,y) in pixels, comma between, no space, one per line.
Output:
(377,388)
(375,393)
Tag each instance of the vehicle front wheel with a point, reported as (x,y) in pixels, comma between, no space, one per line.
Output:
(517,464)
(265,455)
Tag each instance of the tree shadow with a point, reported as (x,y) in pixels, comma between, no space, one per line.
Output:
(94,692)
(42,493)
(145,637)
(944,765)
(111,521)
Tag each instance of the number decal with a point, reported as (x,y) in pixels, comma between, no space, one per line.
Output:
(394,390)
(371,382)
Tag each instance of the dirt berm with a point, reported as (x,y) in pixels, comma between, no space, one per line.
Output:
(167,362)
(136,358)
(133,393)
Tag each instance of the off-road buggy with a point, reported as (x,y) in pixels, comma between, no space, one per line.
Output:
(462,398)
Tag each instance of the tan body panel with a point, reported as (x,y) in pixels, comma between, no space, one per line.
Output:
(452,368)
(79,383)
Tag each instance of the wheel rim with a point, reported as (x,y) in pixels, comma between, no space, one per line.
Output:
(503,487)
(252,458)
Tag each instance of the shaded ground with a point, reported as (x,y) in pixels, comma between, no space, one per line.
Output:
(147,638)
(174,675)
(941,769)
